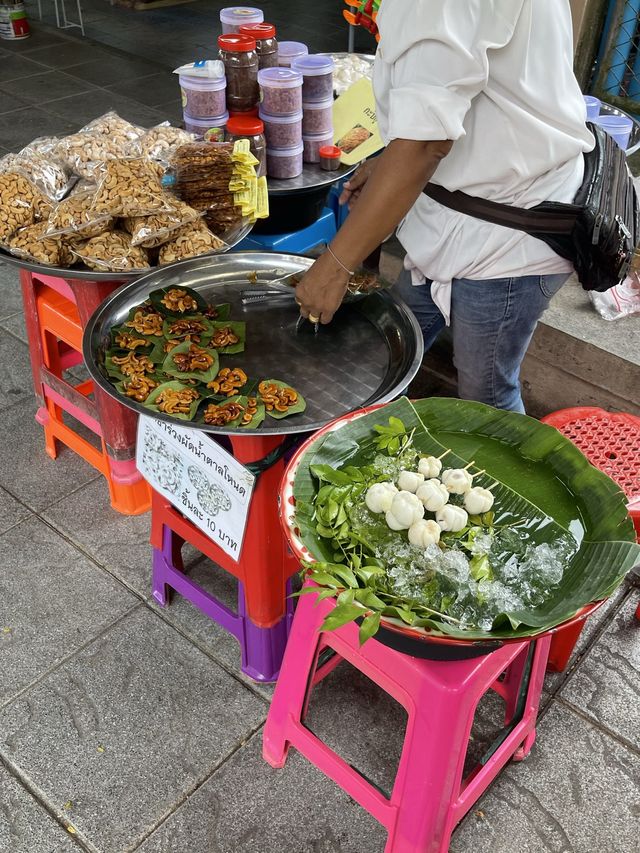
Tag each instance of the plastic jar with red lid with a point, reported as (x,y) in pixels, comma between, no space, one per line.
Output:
(248,127)
(330,158)
(238,52)
(266,44)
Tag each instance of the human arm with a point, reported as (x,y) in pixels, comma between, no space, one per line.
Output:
(394,183)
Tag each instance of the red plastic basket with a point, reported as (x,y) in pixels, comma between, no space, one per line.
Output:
(611,442)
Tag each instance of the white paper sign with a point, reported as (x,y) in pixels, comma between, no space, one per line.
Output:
(199,478)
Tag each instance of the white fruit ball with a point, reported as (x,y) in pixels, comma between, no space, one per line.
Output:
(380,496)
(457,480)
(478,500)
(405,508)
(452,518)
(429,466)
(424,533)
(433,494)
(409,481)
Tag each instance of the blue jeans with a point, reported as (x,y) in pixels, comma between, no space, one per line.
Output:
(492,322)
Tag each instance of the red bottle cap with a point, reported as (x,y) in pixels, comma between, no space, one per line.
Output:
(244,126)
(236,43)
(331,152)
(258,31)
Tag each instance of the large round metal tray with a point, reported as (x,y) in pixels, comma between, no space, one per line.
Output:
(312,178)
(368,354)
(232,239)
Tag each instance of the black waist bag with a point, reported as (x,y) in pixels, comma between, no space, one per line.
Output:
(598,233)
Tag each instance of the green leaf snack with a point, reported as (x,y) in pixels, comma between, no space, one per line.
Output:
(280,399)
(191,361)
(228,337)
(175,399)
(177,301)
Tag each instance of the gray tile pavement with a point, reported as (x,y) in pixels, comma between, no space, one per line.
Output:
(15,372)
(43,578)
(127,728)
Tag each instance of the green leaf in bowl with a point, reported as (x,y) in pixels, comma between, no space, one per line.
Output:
(156,298)
(177,328)
(150,402)
(169,365)
(126,339)
(239,329)
(296,409)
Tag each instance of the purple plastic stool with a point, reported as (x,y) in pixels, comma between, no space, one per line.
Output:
(262,648)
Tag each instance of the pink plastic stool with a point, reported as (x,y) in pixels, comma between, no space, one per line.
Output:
(430,795)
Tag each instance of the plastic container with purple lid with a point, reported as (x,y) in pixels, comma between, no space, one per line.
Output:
(233,17)
(203,96)
(290,50)
(282,131)
(280,91)
(208,129)
(283,163)
(317,116)
(317,77)
(313,143)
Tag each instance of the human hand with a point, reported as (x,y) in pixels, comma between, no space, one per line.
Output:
(322,289)
(354,186)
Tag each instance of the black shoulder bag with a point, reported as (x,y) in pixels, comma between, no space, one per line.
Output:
(598,233)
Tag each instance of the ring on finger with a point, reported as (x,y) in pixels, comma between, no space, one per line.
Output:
(313,318)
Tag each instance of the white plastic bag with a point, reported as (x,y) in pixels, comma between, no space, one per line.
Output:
(623,300)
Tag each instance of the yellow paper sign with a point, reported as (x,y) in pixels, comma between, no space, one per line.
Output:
(355,128)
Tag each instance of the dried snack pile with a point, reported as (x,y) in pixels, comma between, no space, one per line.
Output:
(167,356)
(101,199)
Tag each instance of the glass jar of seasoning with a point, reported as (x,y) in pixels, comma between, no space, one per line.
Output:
(330,158)
(266,44)
(233,17)
(317,77)
(241,69)
(290,50)
(252,129)
(280,91)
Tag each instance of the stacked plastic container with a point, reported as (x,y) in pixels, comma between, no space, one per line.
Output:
(204,104)
(233,17)
(317,104)
(281,114)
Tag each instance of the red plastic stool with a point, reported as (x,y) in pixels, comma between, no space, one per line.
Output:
(611,442)
(430,795)
(60,347)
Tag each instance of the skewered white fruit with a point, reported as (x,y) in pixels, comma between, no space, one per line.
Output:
(433,494)
(405,510)
(457,480)
(452,518)
(424,533)
(409,481)
(380,496)
(430,466)
(478,500)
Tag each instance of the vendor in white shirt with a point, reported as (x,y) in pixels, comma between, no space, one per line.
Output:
(478,96)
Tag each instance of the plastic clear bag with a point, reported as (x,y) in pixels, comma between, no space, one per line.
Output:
(31,243)
(160,142)
(159,228)
(50,176)
(106,138)
(75,219)
(21,203)
(190,242)
(623,300)
(111,252)
(131,187)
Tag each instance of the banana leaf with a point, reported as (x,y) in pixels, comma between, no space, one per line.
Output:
(541,477)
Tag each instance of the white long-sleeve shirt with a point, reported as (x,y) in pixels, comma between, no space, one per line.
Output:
(495,76)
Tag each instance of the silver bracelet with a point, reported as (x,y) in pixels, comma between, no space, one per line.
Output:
(338,261)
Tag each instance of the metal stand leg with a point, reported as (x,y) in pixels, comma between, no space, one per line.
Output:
(352,39)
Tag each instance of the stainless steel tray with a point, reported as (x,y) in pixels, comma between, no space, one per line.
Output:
(368,354)
(82,272)
(312,177)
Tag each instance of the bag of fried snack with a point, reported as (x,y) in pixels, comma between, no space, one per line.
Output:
(46,173)
(131,187)
(190,242)
(160,142)
(159,228)
(21,203)
(75,219)
(111,252)
(32,244)
(106,138)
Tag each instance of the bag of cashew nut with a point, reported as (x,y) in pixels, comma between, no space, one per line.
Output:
(21,203)
(132,187)
(106,138)
(32,244)
(75,219)
(111,252)
(159,228)
(51,178)
(189,242)
(160,142)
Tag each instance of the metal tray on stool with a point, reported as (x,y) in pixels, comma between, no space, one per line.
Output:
(368,354)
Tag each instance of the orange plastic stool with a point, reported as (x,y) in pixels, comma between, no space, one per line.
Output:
(60,333)
(611,442)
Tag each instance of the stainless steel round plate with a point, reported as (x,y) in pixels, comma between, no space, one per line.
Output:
(312,177)
(232,239)
(368,354)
